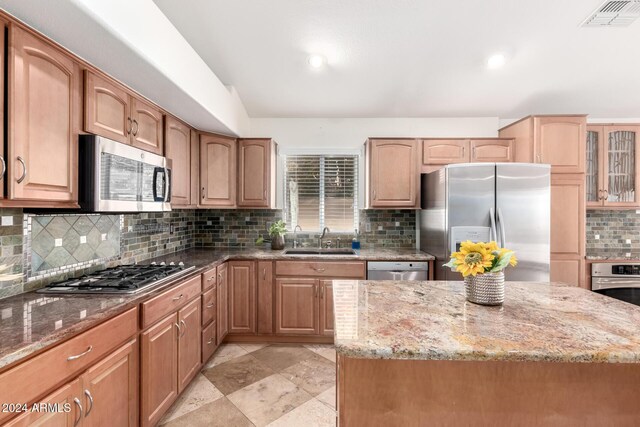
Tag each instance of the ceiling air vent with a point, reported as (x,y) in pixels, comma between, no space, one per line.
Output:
(614,13)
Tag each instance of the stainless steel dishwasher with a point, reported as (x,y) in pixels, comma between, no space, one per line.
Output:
(391,270)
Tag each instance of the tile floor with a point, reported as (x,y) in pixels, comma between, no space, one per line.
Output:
(261,385)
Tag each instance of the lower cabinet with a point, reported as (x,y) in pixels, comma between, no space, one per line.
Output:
(189,350)
(67,396)
(222,315)
(242,297)
(209,342)
(304,306)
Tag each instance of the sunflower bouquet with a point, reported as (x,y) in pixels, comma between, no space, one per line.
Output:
(479,258)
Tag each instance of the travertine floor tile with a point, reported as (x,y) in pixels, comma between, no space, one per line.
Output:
(313,375)
(328,397)
(281,356)
(249,348)
(309,414)
(325,350)
(237,373)
(220,413)
(198,393)
(267,400)
(225,353)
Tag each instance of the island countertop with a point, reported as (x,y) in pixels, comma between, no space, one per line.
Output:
(546,322)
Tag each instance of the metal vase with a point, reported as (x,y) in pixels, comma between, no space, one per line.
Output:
(277,242)
(485,289)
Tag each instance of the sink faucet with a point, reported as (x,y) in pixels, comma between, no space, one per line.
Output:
(321,236)
(295,236)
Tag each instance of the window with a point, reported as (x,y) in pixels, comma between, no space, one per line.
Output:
(321,191)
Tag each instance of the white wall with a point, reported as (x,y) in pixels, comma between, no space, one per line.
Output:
(350,133)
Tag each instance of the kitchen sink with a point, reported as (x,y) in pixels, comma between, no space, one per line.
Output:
(329,251)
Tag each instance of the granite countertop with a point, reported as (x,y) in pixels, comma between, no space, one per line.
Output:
(32,322)
(633,257)
(432,321)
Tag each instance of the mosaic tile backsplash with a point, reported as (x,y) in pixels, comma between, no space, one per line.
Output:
(613,228)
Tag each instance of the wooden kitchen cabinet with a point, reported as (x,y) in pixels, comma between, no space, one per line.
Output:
(209,341)
(445,151)
(256,173)
(3,154)
(612,159)
(178,151)
(195,168)
(242,297)
(209,308)
(222,317)
(297,306)
(110,389)
(44,101)
(555,140)
(326,308)
(218,171)
(189,341)
(492,150)
(393,175)
(159,369)
(112,111)
(265,297)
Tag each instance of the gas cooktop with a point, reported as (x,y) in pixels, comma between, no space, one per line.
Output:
(125,279)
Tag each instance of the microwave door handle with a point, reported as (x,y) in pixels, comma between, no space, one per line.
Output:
(493,235)
(167,184)
(154,184)
(503,234)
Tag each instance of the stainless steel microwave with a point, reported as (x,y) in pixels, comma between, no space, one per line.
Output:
(116,177)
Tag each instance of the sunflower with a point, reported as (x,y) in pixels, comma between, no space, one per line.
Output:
(513,261)
(473,258)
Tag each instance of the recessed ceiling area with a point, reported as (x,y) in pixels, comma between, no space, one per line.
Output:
(414,58)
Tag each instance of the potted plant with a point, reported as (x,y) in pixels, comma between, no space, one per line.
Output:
(482,266)
(277,231)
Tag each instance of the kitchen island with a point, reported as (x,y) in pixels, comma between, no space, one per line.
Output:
(416,353)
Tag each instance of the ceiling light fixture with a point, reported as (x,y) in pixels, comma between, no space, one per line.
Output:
(317,61)
(496,61)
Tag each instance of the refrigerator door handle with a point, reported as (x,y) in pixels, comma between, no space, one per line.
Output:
(494,233)
(503,235)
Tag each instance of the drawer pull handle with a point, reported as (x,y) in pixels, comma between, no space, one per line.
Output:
(88,394)
(79,405)
(78,356)
(211,305)
(177,298)
(319,270)
(210,278)
(210,341)
(182,322)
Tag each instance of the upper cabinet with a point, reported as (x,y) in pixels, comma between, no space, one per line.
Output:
(450,151)
(393,177)
(44,111)
(113,112)
(178,151)
(218,171)
(491,150)
(612,157)
(555,140)
(256,173)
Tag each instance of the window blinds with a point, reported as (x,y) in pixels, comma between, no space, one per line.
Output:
(321,191)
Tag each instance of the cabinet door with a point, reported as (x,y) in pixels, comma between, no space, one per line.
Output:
(620,175)
(178,151)
(146,130)
(159,369)
(110,389)
(209,304)
(242,297)
(594,166)
(445,151)
(265,297)
(195,168)
(189,350)
(560,142)
(106,108)
(66,396)
(297,306)
(44,121)
(568,215)
(209,343)
(492,150)
(3,156)
(569,271)
(254,172)
(217,171)
(222,319)
(394,177)
(326,307)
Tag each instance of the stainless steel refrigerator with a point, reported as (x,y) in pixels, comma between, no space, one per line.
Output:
(505,202)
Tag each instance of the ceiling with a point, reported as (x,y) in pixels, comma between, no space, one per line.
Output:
(414,58)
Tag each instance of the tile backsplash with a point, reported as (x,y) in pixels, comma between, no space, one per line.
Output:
(613,229)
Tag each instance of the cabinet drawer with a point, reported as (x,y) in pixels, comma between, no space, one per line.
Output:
(208,279)
(170,300)
(208,341)
(347,269)
(208,306)
(37,376)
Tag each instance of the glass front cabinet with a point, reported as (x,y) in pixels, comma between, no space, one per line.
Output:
(613,157)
